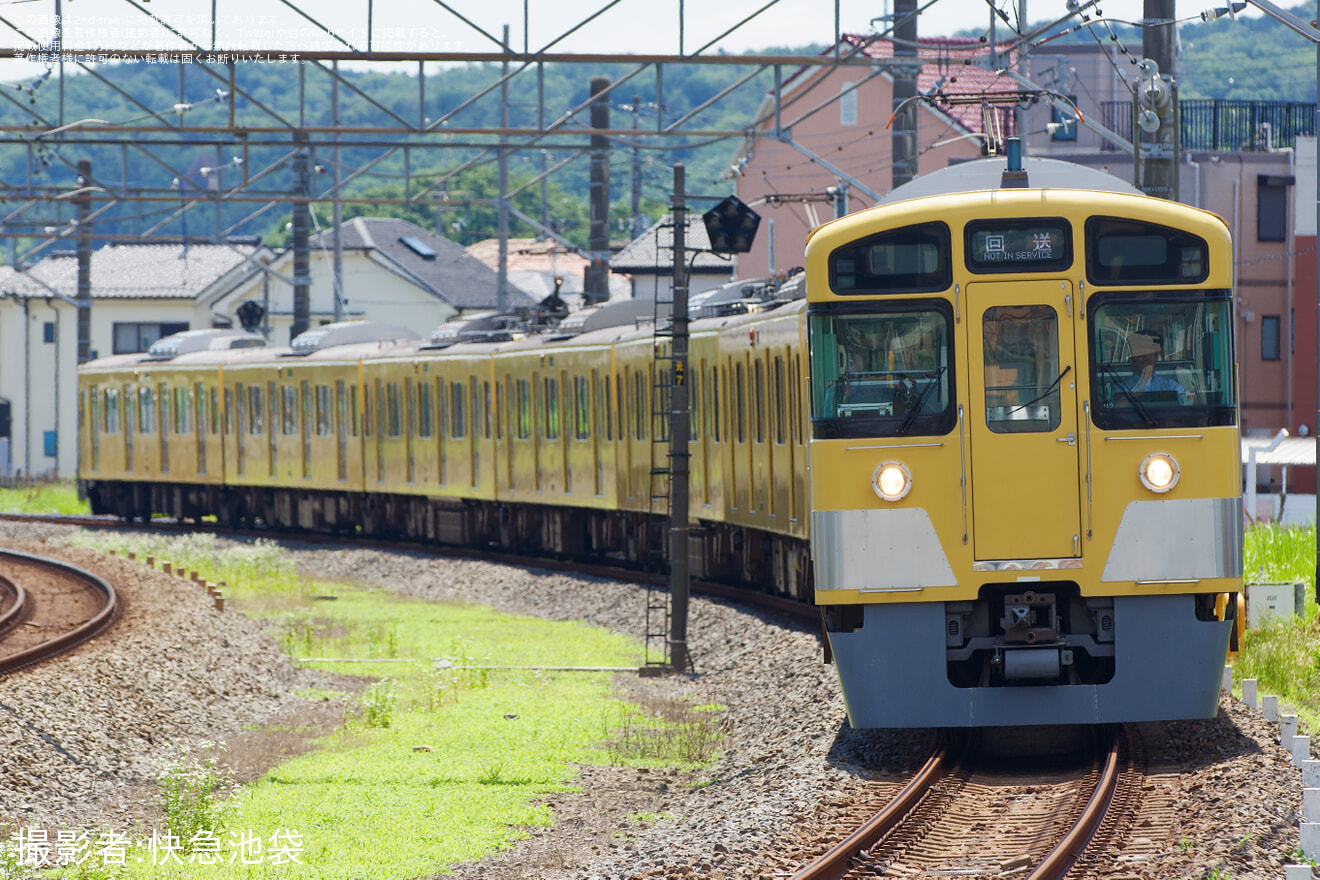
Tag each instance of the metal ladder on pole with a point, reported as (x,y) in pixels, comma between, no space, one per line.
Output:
(656,538)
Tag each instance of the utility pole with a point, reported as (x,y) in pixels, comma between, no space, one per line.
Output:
(302,312)
(502,272)
(596,284)
(678,436)
(638,227)
(83,210)
(906,68)
(1157,104)
(337,283)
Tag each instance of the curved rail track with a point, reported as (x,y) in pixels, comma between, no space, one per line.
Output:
(783,604)
(929,801)
(56,606)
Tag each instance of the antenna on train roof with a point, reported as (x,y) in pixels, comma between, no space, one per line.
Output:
(1015,176)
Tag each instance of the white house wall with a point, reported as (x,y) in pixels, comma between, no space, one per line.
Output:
(371,291)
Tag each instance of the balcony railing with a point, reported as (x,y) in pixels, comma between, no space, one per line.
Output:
(1227,125)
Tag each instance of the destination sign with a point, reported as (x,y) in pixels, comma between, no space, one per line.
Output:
(1027,245)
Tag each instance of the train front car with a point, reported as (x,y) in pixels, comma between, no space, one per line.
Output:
(1024,453)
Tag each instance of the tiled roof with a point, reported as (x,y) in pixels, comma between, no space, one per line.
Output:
(131,271)
(454,275)
(652,252)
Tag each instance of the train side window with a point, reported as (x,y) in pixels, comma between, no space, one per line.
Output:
(392,409)
(582,407)
(366,411)
(780,416)
(256,410)
(201,402)
(740,401)
(524,410)
(215,409)
(424,409)
(180,413)
(639,405)
(715,408)
(458,412)
(289,395)
(694,404)
(760,403)
(550,386)
(323,410)
(112,410)
(229,409)
(485,409)
(146,411)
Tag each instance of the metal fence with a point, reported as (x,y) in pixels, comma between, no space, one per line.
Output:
(1228,125)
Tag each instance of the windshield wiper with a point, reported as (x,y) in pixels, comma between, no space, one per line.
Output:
(921,401)
(1044,394)
(1122,386)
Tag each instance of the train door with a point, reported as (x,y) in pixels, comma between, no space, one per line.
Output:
(341,430)
(1023,425)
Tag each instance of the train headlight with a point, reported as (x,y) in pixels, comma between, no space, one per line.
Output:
(892,480)
(1159,472)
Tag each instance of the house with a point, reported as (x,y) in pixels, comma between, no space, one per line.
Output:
(140,292)
(393,271)
(534,265)
(841,114)
(649,259)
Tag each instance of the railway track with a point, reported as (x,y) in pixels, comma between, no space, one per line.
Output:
(802,610)
(967,815)
(51,607)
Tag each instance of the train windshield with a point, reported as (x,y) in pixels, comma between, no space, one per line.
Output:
(1161,362)
(881,372)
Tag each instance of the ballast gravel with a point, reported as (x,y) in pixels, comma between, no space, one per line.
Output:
(83,738)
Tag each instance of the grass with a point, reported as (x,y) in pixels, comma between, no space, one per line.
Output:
(1284,655)
(61,497)
(438,763)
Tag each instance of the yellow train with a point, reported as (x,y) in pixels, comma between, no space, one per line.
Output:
(1017,406)
(539,442)
(1025,490)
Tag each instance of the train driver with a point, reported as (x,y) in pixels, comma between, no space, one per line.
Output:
(1144,351)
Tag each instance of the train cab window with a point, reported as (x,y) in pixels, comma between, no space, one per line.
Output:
(1020,350)
(880,371)
(913,259)
(146,411)
(1162,362)
(458,410)
(1133,252)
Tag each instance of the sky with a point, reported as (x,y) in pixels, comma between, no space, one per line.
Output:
(631,26)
